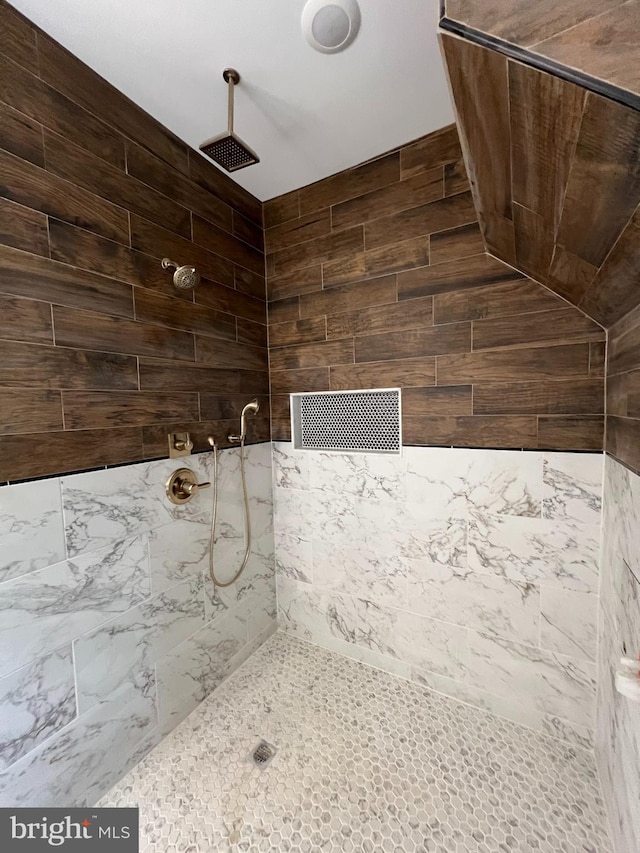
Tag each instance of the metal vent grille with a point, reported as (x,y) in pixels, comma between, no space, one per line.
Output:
(354,421)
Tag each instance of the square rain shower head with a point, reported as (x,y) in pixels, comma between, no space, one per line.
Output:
(229,151)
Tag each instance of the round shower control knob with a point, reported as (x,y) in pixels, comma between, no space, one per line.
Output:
(182,485)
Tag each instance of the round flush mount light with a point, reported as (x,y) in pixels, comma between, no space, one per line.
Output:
(330,26)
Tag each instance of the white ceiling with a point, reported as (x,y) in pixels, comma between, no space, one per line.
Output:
(306,114)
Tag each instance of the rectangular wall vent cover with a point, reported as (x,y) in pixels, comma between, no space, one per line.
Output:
(348,421)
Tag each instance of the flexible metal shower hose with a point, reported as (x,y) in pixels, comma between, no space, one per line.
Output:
(247,517)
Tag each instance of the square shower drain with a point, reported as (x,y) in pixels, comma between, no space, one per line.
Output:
(263,754)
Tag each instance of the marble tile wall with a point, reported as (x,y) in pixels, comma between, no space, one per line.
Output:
(474,572)
(110,629)
(618,719)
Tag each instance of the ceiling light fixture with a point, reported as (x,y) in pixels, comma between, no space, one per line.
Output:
(330,26)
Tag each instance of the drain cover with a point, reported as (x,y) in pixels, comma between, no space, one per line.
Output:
(263,754)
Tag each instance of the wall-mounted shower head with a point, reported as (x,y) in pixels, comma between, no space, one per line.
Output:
(253,407)
(227,149)
(185,277)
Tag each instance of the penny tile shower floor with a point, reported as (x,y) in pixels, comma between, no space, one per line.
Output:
(365,762)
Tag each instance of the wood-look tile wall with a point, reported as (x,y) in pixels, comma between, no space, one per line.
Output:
(377,277)
(100,356)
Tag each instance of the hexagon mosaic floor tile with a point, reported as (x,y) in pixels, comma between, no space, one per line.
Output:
(365,762)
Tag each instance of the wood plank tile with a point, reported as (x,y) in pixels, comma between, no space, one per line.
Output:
(398,256)
(25,320)
(206,175)
(624,352)
(248,231)
(570,276)
(21,135)
(543,327)
(299,381)
(546,113)
(455,243)
(343,270)
(31,96)
(571,433)
(460,274)
(317,251)
(413,314)
(253,381)
(231,301)
(425,187)
(494,300)
(85,170)
(284,310)
(623,394)
(623,441)
(455,178)
(436,216)
(153,240)
(280,407)
(554,362)
(301,281)
(89,252)
(363,294)
(225,245)
(177,314)
(154,172)
(65,452)
(88,330)
(478,79)
(436,401)
(73,78)
(433,150)
(320,354)
(103,409)
(451,338)
(23,228)
(351,183)
(17,38)
(31,186)
(218,353)
(219,408)
(154,436)
(280,430)
(161,375)
(565,397)
(249,332)
(403,373)
(597,358)
(31,276)
(298,332)
(515,431)
(28,366)
(299,230)
(28,411)
(250,283)
(281,209)
(614,290)
(609,144)
(535,243)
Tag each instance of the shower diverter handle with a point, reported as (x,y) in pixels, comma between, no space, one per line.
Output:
(182,485)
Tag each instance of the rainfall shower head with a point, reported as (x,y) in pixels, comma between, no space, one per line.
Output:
(185,277)
(227,149)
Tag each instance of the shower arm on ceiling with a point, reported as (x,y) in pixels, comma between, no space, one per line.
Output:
(232,78)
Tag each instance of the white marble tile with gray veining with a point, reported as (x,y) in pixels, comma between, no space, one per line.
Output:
(177,551)
(551,551)
(306,611)
(31,527)
(36,701)
(573,486)
(83,760)
(293,557)
(487,603)
(365,475)
(435,646)
(290,467)
(52,606)
(553,683)
(569,622)
(137,638)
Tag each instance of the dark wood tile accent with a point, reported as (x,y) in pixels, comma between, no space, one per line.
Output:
(292,381)
(559,362)
(280,408)
(301,281)
(33,187)
(350,183)
(566,433)
(513,298)
(624,351)
(455,178)
(299,230)
(349,297)
(298,332)
(535,244)
(460,274)
(23,228)
(208,176)
(248,231)
(597,358)
(623,441)
(450,338)
(284,310)
(231,301)
(320,354)
(416,314)
(251,333)
(557,397)
(226,245)
(28,366)
(544,327)
(398,256)
(456,243)
(476,431)
(569,275)
(436,149)
(21,136)
(177,314)
(161,375)
(327,248)
(623,395)
(344,270)
(404,373)
(25,320)
(218,353)
(26,411)
(100,409)
(17,38)
(436,216)
(280,209)
(217,408)
(88,330)
(479,84)
(250,283)
(437,401)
